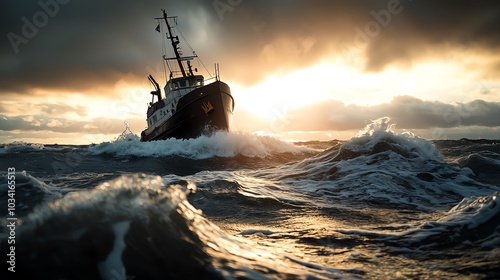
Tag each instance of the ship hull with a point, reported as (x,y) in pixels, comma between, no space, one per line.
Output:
(204,110)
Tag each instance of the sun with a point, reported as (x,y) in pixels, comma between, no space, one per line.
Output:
(278,93)
(337,79)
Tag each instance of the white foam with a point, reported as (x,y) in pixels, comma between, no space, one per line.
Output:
(473,211)
(220,144)
(382,129)
(377,166)
(468,215)
(23,179)
(19,146)
(148,199)
(112,267)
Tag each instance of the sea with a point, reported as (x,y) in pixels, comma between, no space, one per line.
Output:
(234,205)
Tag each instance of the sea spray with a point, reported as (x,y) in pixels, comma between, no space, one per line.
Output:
(219,144)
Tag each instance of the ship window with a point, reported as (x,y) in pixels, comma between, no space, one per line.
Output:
(196,83)
(182,83)
(154,118)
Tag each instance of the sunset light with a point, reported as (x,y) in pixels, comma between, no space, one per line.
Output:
(250,139)
(346,65)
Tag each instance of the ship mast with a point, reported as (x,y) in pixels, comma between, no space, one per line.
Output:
(175,42)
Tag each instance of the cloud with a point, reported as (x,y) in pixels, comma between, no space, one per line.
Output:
(406,112)
(428,119)
(87,45)
(273,34)
(58,109)
(39,123)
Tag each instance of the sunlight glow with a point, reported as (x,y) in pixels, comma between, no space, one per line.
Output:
(335,79)
(261,108)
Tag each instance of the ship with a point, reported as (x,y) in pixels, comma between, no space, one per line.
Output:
(191,105)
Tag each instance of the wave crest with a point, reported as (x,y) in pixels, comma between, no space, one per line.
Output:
(138,226)
(381,167)
(219,144)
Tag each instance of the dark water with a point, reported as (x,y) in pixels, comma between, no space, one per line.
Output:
(238,206)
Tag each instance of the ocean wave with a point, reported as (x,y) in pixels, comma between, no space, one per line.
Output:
(381,168)
(482,160)
(473,221)
(136,226)
(468,234)
(29,191)
(232,196)
(25,147)
(485,165)
(219,144)
(19,146)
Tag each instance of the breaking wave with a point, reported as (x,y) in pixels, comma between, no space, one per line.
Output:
(17,146)
(380,167)
(219,144)
(136,226)
(364,208)
(473,220)
(29,191)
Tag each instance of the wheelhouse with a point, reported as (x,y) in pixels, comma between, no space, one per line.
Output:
(184,82)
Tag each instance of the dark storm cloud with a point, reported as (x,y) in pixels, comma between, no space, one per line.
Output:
(406,112)
(86,44)
(425,29)
(81,45)
(379,33)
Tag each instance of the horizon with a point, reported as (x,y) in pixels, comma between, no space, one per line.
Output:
(73,73)
(116,139)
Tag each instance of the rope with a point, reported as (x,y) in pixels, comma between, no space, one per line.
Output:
(194,53)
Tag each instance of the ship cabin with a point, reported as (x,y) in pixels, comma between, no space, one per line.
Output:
(175,89)
(189,82)
(178,87)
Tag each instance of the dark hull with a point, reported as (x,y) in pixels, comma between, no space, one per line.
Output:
(203,110)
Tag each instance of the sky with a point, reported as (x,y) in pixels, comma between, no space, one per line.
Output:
(72,72)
